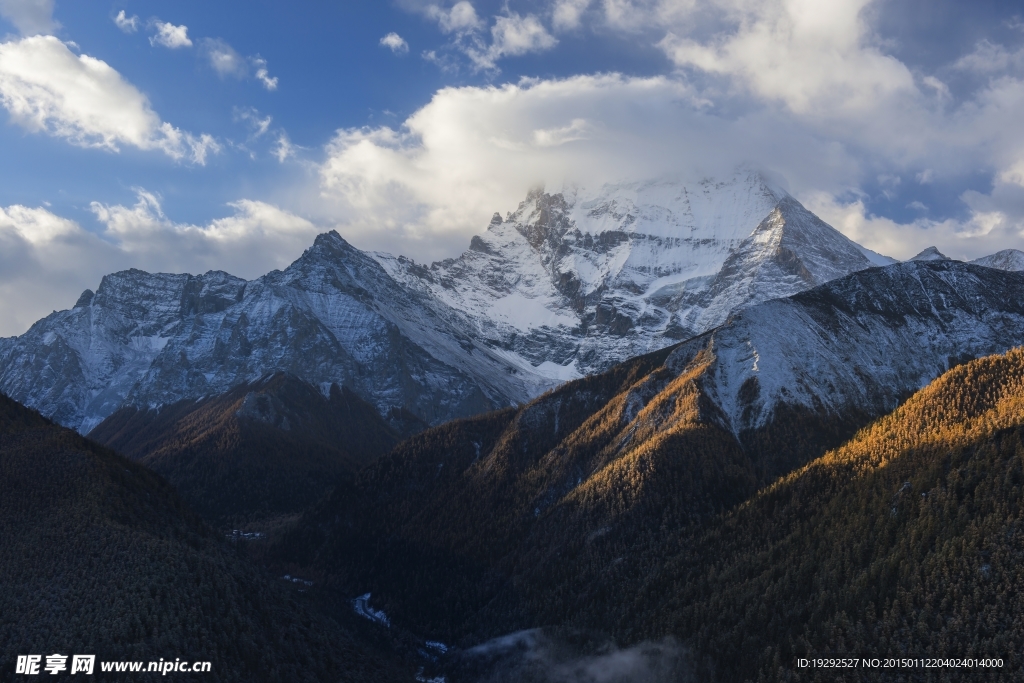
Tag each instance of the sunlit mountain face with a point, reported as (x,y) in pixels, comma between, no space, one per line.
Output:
(475,341)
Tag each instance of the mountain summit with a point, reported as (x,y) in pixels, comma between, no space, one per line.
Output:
(583,280)
(566,285)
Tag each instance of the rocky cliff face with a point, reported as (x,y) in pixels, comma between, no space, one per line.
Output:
(584,280)
(566,285)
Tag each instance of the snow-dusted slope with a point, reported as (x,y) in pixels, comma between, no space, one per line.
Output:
(583,280)
(332,316)
(84,361)
(1007,259)
(566,285)
(930,254)
(862,342)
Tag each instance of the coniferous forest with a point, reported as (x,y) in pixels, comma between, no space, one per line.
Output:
(900,538)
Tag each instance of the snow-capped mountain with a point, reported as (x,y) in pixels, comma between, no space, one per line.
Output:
(863,342)
(929,254)
(585,280)
(1007,259)
(332,316)
(567,284)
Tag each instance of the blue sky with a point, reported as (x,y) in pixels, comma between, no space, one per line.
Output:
(185,135)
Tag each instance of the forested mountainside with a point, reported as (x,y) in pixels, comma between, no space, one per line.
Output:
(568,284)
(258,453)
(98,555)
(904,541)
(540,515)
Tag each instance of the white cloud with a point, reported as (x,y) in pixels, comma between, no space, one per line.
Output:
(395,43)
(425,187)
(30,17)
(283,148)
(46,261)
(990,58)
(517,35)
(169,35)
(227,62)
(578,129)
(47,88)
(35,226)
(257,238)
(262,75)
(983,232)
(810,55)
(567,14)
(257,123)
(460,18)
(125,23)
(428,186)
(224,59)
(511,35)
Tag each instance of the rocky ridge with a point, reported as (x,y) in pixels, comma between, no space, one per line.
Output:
(565,286)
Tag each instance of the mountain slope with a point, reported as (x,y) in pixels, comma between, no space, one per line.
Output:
(906,541)
(1007,259)
(256,453)
(584,280)
(100,556)
(568,284)
(333,316)
(489,509)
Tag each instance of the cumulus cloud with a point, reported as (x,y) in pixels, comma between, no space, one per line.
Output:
(169,35)
(436,180)
(46,261)
(257,238)
(42,266)
(511,35)
(30,17)
(47,88)
(567,14)
(516,35)
(806,54)
(425,187)
(125,23)
(809,89)
(995,222)
(395,43)
(227,62)
(459,18)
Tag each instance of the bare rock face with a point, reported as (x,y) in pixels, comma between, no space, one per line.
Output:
(566,285)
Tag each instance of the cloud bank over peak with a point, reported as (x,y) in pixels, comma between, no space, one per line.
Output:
(430,184)
(813,90)
(47,88)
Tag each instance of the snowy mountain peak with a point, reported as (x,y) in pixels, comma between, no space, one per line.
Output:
(567,284)
(583,279)
(1007,259)
(930,254)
